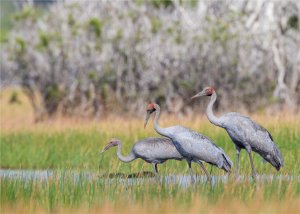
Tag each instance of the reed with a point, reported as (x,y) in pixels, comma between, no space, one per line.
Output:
(65,146)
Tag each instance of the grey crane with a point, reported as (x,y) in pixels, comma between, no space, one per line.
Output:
(193,146)
(151,150)
(245,133)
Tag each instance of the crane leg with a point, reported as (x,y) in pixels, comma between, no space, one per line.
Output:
(156,171)
(252,166)
(191,172)
(206,172)
(155,168)
(237,161)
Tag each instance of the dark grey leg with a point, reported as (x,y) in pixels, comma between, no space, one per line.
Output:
(155,168)
(206,172)
(191,172)
(238,150)
(156,172)
(251,161)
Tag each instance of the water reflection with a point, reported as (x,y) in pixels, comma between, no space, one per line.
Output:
(132,179)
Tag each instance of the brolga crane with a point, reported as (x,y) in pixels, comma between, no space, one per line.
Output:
(151,150)
(193,146)
(245,133)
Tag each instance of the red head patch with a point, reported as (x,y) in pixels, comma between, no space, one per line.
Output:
(151,105)
(209,91)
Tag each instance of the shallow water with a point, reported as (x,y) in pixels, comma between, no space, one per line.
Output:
(181,180)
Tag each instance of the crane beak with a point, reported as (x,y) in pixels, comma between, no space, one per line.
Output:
(200,94)
(103,150)
(147,118)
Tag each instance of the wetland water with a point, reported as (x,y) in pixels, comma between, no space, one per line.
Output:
(131,179)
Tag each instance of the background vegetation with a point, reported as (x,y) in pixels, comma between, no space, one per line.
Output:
(85,58)
(78,60)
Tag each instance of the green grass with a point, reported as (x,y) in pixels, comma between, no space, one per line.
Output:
(67,192)
(78,149)
(74,147)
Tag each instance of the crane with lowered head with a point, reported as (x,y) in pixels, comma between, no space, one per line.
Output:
(152,150)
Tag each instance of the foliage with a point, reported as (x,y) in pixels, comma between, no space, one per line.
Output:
(293,22)
(81,177)
(63,191)
(96,25)
(79,180)
(109,53)
(75,146)
(14,98)
(6,9)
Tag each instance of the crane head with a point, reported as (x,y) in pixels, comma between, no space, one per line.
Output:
(150,110)
(112,143)
(207,91)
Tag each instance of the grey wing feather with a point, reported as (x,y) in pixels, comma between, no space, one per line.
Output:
(247,133)
(195,146)
(156,150)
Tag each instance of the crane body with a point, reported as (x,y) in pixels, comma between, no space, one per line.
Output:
(245,134)
(152,150)
(193,146)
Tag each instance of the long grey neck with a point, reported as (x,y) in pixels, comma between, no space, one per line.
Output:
(157,128)
(130,157)
(209,111)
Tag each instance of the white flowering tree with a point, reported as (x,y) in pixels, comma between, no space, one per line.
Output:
(87,57)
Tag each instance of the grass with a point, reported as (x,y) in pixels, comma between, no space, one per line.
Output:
(77,148)
(66,145)
(67,193)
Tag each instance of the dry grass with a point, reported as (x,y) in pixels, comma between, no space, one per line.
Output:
(19,118)
(198,205)
(23,140)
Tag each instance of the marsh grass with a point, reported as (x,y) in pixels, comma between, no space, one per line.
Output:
(63,191)
(64,145)
(46,146)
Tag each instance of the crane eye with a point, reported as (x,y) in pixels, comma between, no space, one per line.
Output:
(208,92)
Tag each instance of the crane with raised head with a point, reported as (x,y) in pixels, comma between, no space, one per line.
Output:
(193,146)
(152,150)
(245,133)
